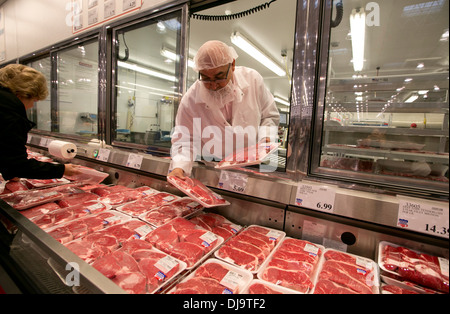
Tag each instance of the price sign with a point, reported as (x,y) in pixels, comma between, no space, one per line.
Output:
(423,216)
(103,154)
(134,161)
(317,197)
(232,181)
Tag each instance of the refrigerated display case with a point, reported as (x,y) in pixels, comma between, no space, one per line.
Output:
(327,191)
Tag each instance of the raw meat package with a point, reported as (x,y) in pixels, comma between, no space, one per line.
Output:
(198,191)
(252,155)
(216,223)
(88,176)
(293,265)
(100,243)
(183,240)
(147,203)
(44,183)
(118,194)
(137,267)
(14,186)
(214,277)
(62,215)
(84,226)
(77,198)
(258,286)
(251,247)
(31,198)
(344,273)
(40,210)
(165,213)
(416,267)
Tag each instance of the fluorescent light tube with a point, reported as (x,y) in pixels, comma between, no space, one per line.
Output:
(253,51)
(358,31)
(281,101)
(173,56)
(143,70)
(411,99)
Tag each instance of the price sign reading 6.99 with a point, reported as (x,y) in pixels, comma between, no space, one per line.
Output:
(317,197)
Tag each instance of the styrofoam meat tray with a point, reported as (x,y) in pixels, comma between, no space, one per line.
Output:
(239,278)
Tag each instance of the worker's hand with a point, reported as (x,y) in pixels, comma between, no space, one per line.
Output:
(71,170)
(177,172)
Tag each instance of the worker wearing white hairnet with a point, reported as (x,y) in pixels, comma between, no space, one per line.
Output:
(226,100)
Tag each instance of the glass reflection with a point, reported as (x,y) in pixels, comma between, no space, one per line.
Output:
(386,102)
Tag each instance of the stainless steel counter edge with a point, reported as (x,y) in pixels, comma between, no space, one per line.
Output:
(370,207)
(90,278)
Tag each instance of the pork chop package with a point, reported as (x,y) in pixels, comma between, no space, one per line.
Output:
(198,191)
(145,204)
(178,208)
(44,183)
(26,199)
(425,270)
(182,239)
(293,265)
(216,223)
(138,267)
(345,273)
(251,247)
(85,225)
(214,277)
(248,156)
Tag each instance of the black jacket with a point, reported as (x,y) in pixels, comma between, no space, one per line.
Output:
(14,128)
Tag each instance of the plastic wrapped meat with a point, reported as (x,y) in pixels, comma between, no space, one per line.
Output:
(147,203)
(198,191)
(32,198)
(420,268)
(247,156)
(293,265)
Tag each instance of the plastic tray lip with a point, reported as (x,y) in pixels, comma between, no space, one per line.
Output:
(271,285)
(313,277)
(248,276)
(255,271)
(375,267)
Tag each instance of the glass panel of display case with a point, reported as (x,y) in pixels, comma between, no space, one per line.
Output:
(385,102)
(147,84)
(275,40)
(41,112)
(77,90)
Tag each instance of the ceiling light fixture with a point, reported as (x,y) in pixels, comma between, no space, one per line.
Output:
(147,71)
(411,99)
(358,31)
(253,51)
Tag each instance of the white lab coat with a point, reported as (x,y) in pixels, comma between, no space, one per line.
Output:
(202,130)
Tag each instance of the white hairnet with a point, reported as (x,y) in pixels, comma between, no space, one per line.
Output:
(213,54)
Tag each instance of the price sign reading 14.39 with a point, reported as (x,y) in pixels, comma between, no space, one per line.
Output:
(422,216)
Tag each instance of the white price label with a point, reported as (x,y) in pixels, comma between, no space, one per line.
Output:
(317,197)
(422,216)
(232,181)
(134,161)
(103,154)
